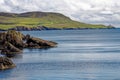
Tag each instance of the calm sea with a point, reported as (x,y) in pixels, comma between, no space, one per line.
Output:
(80,55)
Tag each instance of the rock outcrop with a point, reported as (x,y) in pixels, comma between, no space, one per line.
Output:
(13,42)
(6,63)
(13,37)
(39,43)
(9,49)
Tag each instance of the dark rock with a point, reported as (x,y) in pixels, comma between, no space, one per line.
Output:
(6,63)
(20,28)
(9,49)
(27,37)
(38,28)
(2,30)
(40,43)
(12,42)
(13,37)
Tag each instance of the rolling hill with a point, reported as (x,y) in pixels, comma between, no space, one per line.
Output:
(47,19)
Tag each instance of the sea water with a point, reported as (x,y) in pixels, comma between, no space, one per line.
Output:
(80,55)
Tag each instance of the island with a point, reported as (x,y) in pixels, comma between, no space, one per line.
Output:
(43,21)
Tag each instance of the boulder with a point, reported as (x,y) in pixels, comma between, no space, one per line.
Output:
(6,63)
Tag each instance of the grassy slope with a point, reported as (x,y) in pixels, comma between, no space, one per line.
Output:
(51,21)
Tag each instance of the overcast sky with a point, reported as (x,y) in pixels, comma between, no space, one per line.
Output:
(89,11)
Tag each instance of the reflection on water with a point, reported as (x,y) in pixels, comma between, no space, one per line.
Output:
(13,55)
(80,55)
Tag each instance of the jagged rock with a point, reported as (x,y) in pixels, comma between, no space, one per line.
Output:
(13,37)
(9,49)
(12,42)
(16,38)
(39,43)
(6,63)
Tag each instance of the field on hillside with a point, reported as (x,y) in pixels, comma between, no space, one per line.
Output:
(50,21)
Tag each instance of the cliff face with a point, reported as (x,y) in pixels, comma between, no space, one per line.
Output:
(48,19)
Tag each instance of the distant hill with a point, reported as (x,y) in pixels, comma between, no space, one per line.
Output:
(47,19)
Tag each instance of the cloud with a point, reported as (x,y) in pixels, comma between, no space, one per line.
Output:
(90,11)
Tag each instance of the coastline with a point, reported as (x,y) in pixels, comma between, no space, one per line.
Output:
(40,28)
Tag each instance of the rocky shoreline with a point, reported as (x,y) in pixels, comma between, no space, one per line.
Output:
(40,28)
(13,42)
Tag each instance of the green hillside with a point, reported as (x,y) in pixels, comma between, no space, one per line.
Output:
(34,19)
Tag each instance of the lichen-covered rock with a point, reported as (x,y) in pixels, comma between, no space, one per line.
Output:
(6,63)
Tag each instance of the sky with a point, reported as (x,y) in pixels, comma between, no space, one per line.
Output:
(105,12)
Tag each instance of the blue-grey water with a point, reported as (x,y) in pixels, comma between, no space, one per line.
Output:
(80,55)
